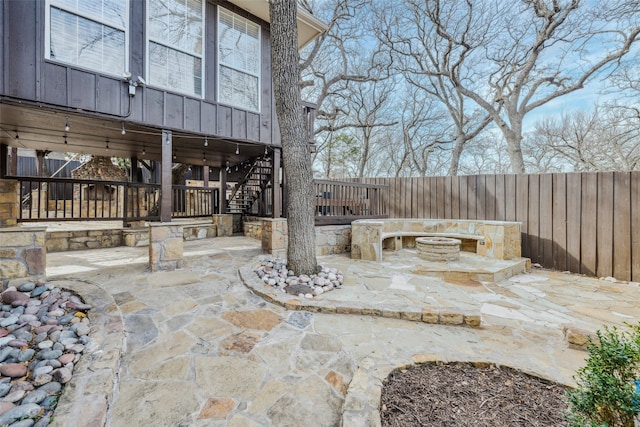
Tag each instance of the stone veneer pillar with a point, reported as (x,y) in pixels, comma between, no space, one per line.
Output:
(224,224)
(9,202)
(274,236)
(23,254)
(165,246)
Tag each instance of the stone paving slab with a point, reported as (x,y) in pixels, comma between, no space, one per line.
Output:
(201,349)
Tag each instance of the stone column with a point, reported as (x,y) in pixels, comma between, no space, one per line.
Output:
(165,246)
(224,224)
(23,254)
(366,240)
(275,236)
(9,202)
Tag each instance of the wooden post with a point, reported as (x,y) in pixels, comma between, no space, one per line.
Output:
(13,166)
(165,177)
(4,154)
(135,170)
(276,211)
(223,190)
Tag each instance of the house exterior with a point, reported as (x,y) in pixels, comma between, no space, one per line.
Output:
(170,81)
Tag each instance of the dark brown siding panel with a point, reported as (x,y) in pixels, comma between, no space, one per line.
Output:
(22,30)
(253,126)
(239,122)
(3,72)
(111,93)
(224,120)
(153,106)
(174,111)
(82,89)
(192,115)
(54,84)
(208,118)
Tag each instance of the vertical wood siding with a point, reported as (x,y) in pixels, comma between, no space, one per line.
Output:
(585,223)
(25,74)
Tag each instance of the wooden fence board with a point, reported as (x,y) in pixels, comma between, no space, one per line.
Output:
(439,197)
(501,210)
(533,214)
(604,246)
(510,198)
(574,215)
(464,206)
(455,197)
(447,197)
(545,244)
(589,224)
(481,192)
(472,197)
(635,226)
(521,211)
(490,197)
(421,198)
(622,226)
(559,222)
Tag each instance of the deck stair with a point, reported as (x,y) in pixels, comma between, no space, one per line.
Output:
(249,189)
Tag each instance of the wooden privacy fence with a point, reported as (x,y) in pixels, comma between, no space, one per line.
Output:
(580,222)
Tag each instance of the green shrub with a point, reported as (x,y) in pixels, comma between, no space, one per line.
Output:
(606,394)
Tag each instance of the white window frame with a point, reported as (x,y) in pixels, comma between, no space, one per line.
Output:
(149,40)
(47,38)
(220,63)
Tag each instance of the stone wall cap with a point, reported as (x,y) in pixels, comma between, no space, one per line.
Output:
(165,224)
(26,229)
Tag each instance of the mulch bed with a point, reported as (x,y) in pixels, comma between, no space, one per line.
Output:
(460,394)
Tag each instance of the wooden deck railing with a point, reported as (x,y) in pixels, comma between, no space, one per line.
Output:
(63,199)
(342,202)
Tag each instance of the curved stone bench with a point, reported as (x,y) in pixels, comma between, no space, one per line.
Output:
(492,239)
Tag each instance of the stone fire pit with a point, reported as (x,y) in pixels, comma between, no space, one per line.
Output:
(439,249)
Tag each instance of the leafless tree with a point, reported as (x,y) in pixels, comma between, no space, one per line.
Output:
(603,139)
(511,57)
(301,256)
(426,60)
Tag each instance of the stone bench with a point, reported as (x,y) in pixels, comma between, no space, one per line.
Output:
(492,239)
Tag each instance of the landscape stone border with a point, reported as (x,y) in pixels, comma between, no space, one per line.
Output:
(86,399)
(324,304)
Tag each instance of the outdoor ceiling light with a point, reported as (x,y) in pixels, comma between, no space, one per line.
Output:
(237,149)
(123,131)
(107,145)
(66,126)
(204,157)
(265,150)
(144,150)
(206,142)
(17,136)
(65,139)
(174,156)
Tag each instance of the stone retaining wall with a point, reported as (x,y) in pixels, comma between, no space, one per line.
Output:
(23,254)
(330,239)
(61,241)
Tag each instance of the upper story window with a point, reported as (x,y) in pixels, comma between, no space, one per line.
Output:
(88,33)
(238,61)
(175,35)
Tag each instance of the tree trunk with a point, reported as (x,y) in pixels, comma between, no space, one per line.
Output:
(301,250)
(455,155)
(514,149)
